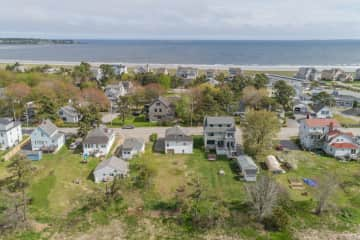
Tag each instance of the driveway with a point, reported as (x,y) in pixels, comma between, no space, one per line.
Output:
(108,117)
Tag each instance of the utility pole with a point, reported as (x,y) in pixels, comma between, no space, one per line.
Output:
(111,113)
(27,114)
(13,108)
(192,109)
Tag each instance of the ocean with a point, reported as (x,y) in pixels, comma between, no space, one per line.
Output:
(245,53)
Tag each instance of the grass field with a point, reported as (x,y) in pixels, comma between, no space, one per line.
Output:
(54,193)
(139,121)
(282,73)
(52,188)
(179,169)
(344,121)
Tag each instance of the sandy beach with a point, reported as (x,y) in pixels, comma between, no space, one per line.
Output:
(348,68)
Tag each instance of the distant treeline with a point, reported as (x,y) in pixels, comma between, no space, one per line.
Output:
(35,41)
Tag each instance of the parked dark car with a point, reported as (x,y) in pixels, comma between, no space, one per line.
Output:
(128,127)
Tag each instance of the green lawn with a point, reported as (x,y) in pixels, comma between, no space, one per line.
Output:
(179,169)
(344,121)
(52,188)
(282,73)
(135,121)
(346,198)
(3,171)
(54,194)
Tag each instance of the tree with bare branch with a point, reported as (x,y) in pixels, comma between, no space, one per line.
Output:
(325,190)
(263,196)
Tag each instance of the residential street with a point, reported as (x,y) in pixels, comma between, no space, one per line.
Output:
(145,132)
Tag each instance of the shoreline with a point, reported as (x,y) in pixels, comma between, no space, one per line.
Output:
(348,68)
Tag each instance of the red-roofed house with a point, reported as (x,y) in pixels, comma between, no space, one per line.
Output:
(341,145)
(312,132)
(324,134)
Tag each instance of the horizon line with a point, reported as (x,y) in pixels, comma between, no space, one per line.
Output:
(180,39)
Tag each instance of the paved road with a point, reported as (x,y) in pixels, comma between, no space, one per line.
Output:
(145,132)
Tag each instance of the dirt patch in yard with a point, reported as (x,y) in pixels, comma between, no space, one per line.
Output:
(326,235)
(113,231)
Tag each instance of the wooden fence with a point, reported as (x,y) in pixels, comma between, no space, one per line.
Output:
(12,152)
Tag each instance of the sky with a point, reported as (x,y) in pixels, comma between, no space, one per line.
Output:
(185,19)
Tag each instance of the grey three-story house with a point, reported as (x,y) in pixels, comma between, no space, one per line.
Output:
(219,135)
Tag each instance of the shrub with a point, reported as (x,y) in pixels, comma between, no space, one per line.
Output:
(153,137)
(279,220)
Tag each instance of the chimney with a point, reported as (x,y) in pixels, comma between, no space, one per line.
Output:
(331,126)
(307,115)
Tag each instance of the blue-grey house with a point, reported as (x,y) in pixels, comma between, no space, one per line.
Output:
(46,137)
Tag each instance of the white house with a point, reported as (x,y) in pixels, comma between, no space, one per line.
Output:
(341,145)
(46,137)
(98,141)
(322,112)
(119,69)
(20,68)
(10,133)
(142,70)
(234,72)
(177,142)
(324,134)
(162,71)
(132,147)
(310,74)
(357,74)
(187,73)
(69,114)
(114,91)
(313,131)
(97,73)
(107,170)
(210,74)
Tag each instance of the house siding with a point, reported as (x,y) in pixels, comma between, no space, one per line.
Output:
(40,139)
(160,112)
(10,138)
(179,147)
(107,174)
(102,148)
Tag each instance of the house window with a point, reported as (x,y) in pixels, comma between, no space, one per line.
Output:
(353,151)
(155,110)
